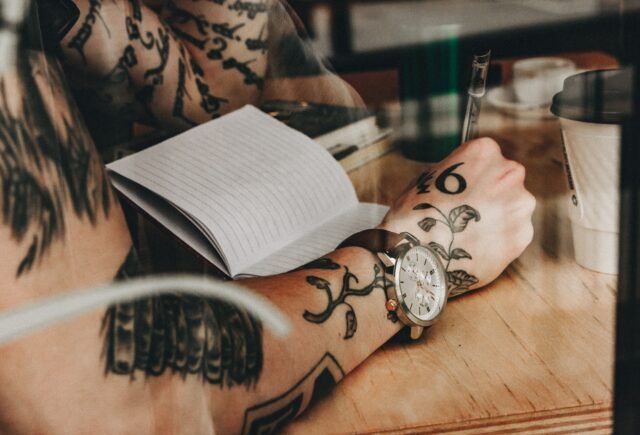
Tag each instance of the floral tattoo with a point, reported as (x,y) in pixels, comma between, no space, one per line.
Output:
(456,221)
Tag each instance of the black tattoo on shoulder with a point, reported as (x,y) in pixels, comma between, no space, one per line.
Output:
(271,416)
(185,36)
(47,162)
(250,77)
(162,48)
(187,335)
(137,10)
(119,73)
(160,42)
(178,15)
(456,221)
(257,44)
(347,289)
(80,39)
(251,8)
(216,53)
(225,30)
(209,103)
(178,103)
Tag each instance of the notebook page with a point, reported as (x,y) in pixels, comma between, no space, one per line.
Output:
(254,182)
(169,217)
(321,241)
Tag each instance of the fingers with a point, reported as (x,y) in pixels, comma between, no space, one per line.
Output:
(509,185)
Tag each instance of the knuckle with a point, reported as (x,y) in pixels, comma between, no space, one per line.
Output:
(531,201)
(519,167)
(483,147)
(516,167)
(513,173)
(487,146)
(524,239)
(528,236)
(486,141)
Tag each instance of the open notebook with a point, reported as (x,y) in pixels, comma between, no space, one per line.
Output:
(246,192)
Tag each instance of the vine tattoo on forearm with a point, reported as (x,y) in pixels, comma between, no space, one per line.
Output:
(187,335)
(456,221)
(347,289)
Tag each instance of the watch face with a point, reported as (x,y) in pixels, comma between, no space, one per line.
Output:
(420,286)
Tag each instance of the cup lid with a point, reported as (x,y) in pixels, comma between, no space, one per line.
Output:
(601,96)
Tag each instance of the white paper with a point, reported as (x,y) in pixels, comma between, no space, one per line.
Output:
(321,241)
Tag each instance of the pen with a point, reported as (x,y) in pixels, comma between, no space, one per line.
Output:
(476,90)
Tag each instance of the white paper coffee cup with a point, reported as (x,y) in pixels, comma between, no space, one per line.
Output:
(593,170)
(591,107)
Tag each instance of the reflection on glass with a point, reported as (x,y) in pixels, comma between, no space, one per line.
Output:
(320,168)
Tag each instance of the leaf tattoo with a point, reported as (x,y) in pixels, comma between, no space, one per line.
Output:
(352,324)
(439,249)
(459,253)
(347,289)
(460,281)
(427,223)
(423,206)
(460,216)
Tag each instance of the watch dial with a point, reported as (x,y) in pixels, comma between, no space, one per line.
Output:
(420,283)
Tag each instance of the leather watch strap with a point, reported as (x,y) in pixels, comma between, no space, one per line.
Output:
(374,240)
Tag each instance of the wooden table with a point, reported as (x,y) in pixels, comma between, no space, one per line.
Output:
(533,351)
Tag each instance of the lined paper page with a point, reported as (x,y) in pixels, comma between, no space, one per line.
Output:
(321,241)
(254,182)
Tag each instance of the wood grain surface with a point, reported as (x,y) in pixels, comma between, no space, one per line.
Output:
(532,352)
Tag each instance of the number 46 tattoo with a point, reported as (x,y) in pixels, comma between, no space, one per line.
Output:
(423,183)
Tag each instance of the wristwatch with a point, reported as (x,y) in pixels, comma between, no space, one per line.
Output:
(416,286)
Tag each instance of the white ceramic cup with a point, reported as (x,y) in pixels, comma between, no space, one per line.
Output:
(592,153)
(536,80)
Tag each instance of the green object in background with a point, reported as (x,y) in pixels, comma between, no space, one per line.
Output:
(431,122)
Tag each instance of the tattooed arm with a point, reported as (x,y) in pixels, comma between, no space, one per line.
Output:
(176,65)
(183,62)
(478,218)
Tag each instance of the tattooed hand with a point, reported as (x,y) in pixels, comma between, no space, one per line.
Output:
(472,209)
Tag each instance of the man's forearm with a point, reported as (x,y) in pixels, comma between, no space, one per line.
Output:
(337,306)
(256,382)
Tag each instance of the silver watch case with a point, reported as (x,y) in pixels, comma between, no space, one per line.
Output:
(392,274)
